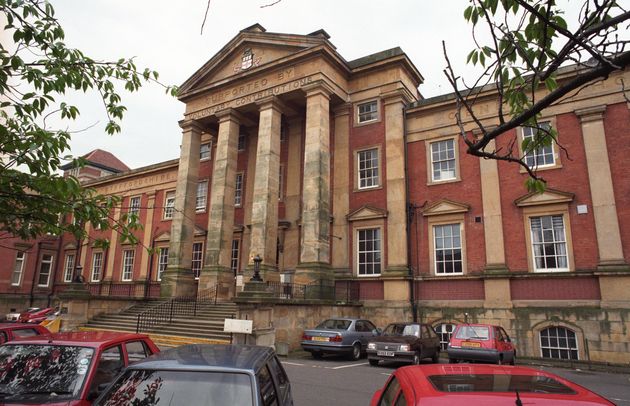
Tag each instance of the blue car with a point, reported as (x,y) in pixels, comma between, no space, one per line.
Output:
(203,374)
(342,336)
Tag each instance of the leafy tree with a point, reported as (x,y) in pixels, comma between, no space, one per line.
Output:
(529,43)
(38,68)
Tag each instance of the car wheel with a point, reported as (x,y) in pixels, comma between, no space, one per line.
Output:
(374,362)
(356,352)
(435,357)
(513,360)
(416,359)
(316,354)
(452,361)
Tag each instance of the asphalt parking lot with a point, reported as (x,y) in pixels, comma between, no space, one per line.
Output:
(337,381)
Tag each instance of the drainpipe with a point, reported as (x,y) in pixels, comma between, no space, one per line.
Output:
(409,214)
(39,245)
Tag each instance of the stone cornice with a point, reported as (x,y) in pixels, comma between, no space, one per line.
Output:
(588,114)
(191,125)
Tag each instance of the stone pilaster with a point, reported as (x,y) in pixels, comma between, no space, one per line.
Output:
(108,273)
(221,219)
(178,279)
(315,255)
(148,233)
(492,216)
(264,220)
(397,258)
(602,193)
(340,191)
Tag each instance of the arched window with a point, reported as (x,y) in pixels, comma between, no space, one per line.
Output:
(444,331)
(558,343)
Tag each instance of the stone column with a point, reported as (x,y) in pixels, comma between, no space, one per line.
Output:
(396,189)
(602,193)
(264,220)
(221,218)
(178,279)
(315,255)
(492,216)
(341,195)
(112,251)
(148,235)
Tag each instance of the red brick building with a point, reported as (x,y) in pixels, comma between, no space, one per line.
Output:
(340,171)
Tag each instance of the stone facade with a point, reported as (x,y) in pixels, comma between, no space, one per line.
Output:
(329,171)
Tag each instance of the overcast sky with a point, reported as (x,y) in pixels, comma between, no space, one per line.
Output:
(165,36)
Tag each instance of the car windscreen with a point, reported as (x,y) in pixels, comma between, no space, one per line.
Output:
(499,383)
(473,333)
(334,324)
(163,387)
(42,373)
(394,330)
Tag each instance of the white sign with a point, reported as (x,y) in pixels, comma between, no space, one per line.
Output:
(238,326)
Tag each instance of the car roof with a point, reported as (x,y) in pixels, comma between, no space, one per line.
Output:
(93,339)
(477,325)
(418,375)
(208,357)
(342,318)
(16,326)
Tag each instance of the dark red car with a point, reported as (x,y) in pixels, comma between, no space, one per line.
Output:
(488,385)
(66,368)
(36,316)
(481,342)
(10,331)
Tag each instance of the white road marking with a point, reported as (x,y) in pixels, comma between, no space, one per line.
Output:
(385,373)
(620,400)
(348,366)
(293,363)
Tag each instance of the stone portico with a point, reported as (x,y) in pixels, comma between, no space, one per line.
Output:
(297,88)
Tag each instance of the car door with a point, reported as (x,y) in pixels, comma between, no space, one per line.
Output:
(109,364)
(501,343)
(267,393)
(509,345)
(135,351)
(363,332)
(282,381)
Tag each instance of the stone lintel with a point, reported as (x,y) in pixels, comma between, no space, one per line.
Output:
(595,113)
(496,270)
(344,109)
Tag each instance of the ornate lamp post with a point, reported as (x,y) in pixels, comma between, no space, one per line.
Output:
(256,277)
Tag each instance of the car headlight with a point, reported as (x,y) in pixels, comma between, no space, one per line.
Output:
(371,346)
(404,347)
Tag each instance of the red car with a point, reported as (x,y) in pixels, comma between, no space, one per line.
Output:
(36,316)
(10,331)
(488,385)
(481,342)
(66,368)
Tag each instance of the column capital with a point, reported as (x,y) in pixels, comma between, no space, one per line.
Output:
(272,102)
(230,114)
(191,125)
(588,114)
(318,87)
(397,96)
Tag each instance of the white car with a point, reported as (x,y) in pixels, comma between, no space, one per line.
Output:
(14,316)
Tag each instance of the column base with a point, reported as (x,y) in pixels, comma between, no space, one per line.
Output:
(178,282)
(396,271)
(255,290)
(220,277)
(614,266)
(313,272)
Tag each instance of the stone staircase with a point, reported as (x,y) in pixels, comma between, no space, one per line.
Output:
(204,328)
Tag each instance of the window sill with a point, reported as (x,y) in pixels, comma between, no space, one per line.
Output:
(368,189)
(447,275)
(442,182)
(542,168)
(369,276)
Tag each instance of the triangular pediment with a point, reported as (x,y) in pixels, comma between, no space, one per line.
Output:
(250,50)
(445,206)
(166,235)
(549,196)
(367,213)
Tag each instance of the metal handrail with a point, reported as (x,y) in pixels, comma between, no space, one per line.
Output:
(183,306)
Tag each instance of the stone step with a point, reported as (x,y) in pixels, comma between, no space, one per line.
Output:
(173,341)
(209,323)
(164,330)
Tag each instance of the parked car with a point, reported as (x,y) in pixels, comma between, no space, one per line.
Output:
(481,342)
(193,374)
(66,368)
(15,315)
(345,336)
(404,342)
(488,385)
(37,316)
(10,331)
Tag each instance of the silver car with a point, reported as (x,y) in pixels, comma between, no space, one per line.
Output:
(342,335)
